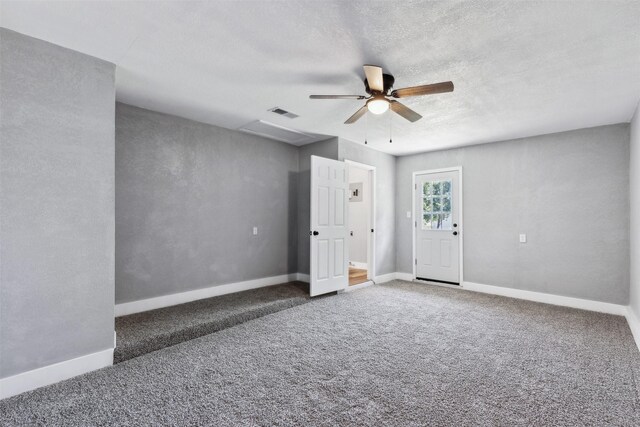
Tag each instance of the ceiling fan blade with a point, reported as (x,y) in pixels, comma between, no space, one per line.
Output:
(374,77)
(361,112)
(404,111)
(337,97)
(423,90)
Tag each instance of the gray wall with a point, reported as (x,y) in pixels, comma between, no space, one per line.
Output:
(187,197)
(385,200)
(568,191)
(634,183)
(56,204)
(328,149)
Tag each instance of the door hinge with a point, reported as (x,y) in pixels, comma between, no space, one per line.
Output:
(416,261)
(415,186)
(415,224)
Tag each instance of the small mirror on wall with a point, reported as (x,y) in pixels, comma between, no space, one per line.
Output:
(355,194)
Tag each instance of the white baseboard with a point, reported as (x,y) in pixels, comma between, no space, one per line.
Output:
(132,307)
(583,304)
(356,264)
(50,374)
(634,325)
(385,277)
(303,277)
(404,276)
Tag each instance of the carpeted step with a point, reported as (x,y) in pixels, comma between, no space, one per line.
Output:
(142,333)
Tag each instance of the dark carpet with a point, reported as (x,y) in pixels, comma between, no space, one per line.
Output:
(396,354)
(142,333)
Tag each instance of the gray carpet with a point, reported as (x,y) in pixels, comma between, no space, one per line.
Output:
(396,354)
(153,330)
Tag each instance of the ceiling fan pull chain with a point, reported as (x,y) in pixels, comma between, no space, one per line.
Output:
(366,127)
(390,128)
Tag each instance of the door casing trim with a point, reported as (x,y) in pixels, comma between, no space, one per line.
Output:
(414,219)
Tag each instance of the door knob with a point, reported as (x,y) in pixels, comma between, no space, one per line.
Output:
(315,233)
(455,225)
(455,233)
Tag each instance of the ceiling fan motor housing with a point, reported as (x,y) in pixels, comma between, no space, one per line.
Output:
(387,80)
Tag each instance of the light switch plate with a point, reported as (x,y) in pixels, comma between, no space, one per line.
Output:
(408,214)
(255,231)
(523,238)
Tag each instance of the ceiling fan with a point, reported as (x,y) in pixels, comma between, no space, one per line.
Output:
(378,86)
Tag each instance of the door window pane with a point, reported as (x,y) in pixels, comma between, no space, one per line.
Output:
(446,204)
(426,205)
(436,205)
(436,222)
(428,222)
(446,221)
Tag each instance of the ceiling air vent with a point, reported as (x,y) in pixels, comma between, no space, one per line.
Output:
(280,133)
(282,112)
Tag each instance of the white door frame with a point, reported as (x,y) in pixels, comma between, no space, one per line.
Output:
(371,237)
(461,217)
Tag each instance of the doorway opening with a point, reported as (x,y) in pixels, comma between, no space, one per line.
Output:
(361,222)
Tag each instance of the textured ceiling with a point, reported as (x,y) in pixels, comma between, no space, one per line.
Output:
(519,68)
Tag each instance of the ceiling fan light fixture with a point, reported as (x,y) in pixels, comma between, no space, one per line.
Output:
(378,105)
(379,85)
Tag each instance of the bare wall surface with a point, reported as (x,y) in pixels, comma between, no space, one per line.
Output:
(328,149)
(634,183)
(188,195)
(56,204)
(569,192)
(385,228)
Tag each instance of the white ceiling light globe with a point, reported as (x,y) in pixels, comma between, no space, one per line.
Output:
(378,105)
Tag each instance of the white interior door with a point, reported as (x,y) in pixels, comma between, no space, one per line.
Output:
(329,267)
(437,226)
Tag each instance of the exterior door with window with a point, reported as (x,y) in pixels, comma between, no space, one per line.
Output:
(437,227)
